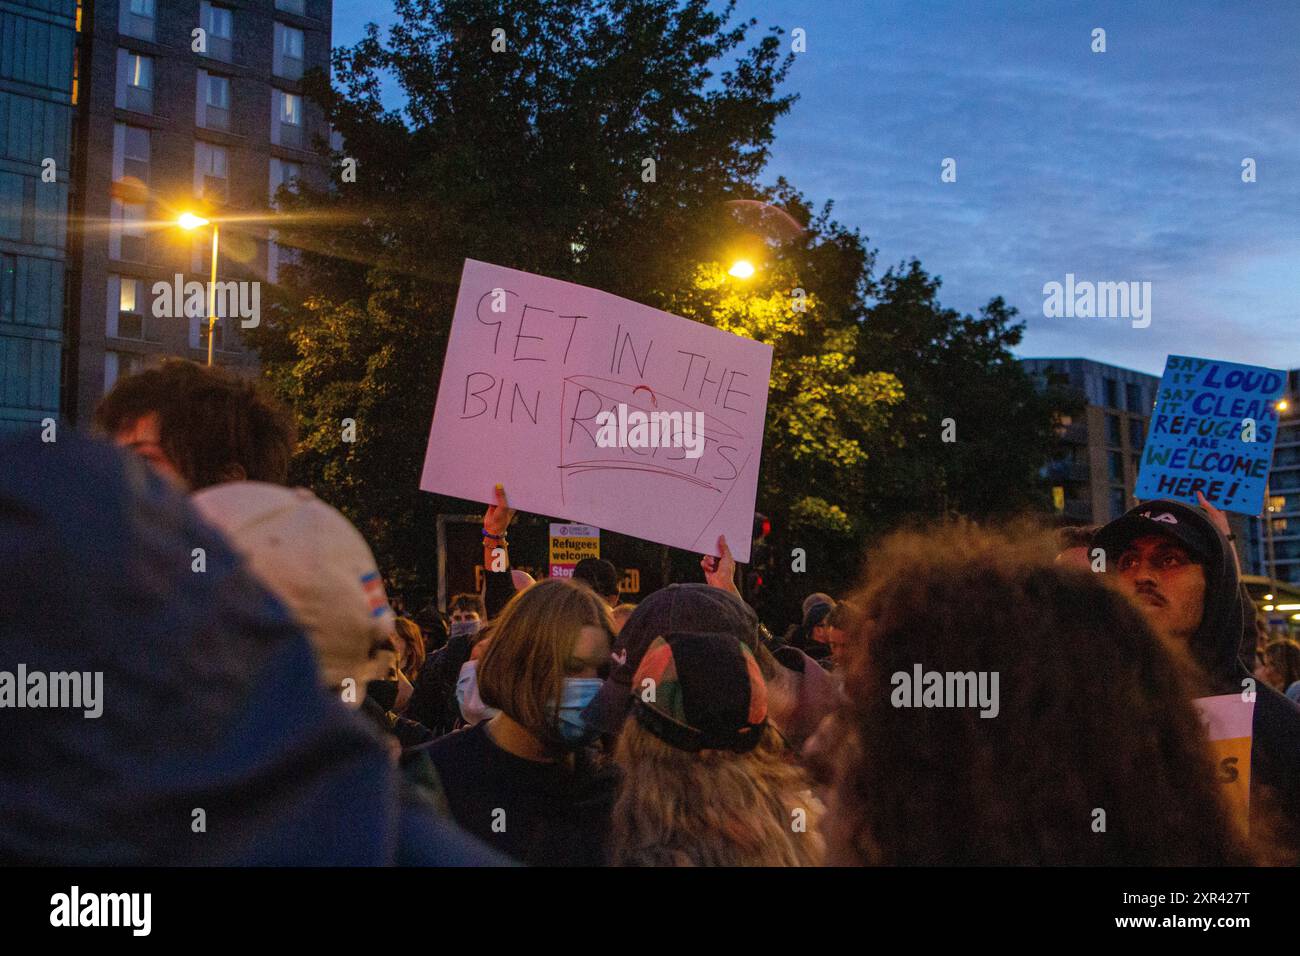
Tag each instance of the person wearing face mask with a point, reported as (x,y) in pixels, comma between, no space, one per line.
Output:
(434,698)
(525,781)
(468,700)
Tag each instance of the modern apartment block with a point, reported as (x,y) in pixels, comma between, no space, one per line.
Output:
(36,109)
(1274,537)
(184,106)
(1101,448)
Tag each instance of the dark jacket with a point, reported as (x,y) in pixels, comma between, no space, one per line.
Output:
(217,744)
(1216,647)
(433,697)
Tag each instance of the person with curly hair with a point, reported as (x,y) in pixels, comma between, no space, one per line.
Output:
(1092,752)
(199,425)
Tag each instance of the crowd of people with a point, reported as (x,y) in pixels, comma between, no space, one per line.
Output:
(984,697)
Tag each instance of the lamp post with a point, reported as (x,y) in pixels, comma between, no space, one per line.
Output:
(190,221)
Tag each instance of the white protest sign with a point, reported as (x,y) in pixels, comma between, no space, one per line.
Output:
(533,366)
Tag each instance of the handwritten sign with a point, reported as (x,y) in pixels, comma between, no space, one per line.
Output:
(1212,431)
(1228,721)
(574,399)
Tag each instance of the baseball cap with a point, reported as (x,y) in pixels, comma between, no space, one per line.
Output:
(600,574)
(694,608)
(316,562)
(817,597)
(816,614)
(1186,524)
(708,693)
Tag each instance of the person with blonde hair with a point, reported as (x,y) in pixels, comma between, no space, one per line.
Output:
(410,647)
(705,780)
(524,781)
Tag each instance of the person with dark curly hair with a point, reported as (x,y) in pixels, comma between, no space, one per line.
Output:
(1089,752)
(199,426)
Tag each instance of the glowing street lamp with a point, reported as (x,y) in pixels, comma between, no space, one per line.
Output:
(741,269)
(190,221)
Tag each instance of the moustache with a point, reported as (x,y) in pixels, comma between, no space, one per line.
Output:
(1152,593)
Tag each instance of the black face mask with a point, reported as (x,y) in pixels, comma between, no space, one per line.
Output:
(383,693)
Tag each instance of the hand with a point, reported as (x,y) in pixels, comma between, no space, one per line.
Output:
(720,572)
(498,516)
(1220,521)
(1217,517)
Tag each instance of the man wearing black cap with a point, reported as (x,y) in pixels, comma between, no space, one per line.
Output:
(800,694)
(601,576)
(1181,571)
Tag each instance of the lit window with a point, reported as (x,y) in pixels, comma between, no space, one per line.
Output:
(139,71)
(126,300)
(291,109)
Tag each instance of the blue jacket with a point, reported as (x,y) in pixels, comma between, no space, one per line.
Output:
(216,744)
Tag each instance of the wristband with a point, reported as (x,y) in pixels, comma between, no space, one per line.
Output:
(494,537)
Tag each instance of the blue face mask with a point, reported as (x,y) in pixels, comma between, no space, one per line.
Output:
(578,693)
(466,628)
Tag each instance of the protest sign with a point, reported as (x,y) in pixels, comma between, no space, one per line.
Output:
(590,407)
(570,543)
(1212,430)
(1228,722)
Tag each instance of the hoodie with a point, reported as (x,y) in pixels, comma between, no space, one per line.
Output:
(215,743)
(1216,647)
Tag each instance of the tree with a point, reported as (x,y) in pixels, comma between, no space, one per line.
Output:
(827,411)
(604,143)
(960,377)
(532,157)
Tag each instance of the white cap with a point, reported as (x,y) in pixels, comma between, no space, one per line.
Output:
(318,565)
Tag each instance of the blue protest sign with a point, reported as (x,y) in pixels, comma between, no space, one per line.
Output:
(1212,431)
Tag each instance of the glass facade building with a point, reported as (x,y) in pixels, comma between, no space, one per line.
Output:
(37,89)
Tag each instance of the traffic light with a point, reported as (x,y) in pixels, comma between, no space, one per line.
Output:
(760,557)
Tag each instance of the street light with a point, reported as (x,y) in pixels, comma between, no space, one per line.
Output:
(190,221)
(741,269)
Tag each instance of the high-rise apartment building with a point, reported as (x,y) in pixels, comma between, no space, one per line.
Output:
(1274,539)
(183,106)
(1093,479)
